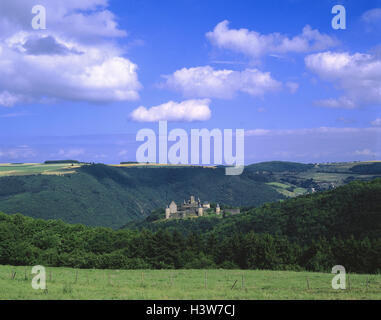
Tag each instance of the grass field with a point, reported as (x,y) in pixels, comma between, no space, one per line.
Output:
(22,169)
(66,283)
(283,189)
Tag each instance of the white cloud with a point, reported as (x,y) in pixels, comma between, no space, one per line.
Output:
(14,115)
(357,75)
(366,152)
(206,82)
(75,58)
(8,99)
(17,153)
(69,153)
(342,102)
(257,132)
(376,123)
(256,45)
(372,16)
(85,20)
(292,86)
(320,130)
(188,111)
(122,153)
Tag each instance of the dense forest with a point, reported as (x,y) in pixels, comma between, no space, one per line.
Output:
(112,196)
(313,232)
(353,209)
(101,195)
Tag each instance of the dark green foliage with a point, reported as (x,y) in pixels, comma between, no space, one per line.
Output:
(27,241)
(373,168)
(60,161)
(353,209)
(279,166)
(100,195)
(314,232)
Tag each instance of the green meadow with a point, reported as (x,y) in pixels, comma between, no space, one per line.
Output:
(79,284)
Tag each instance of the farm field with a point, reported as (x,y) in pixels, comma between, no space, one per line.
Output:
(22,169)
(285,189)
(80,284)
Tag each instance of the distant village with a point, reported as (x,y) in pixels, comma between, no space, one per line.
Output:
(193,208)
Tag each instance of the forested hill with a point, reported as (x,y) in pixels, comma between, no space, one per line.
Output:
(350,210)
(315,232)
(101,195)
(111,196)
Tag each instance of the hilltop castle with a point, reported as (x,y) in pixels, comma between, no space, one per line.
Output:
(188,208)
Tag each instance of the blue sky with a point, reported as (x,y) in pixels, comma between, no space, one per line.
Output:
(301,90)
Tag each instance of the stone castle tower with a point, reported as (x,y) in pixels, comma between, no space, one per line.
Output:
(200,210)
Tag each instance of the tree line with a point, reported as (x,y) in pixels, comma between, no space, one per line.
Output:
(313,232)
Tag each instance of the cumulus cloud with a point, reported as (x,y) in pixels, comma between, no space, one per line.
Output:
(85,20)
(206,82)
(256,45)
(75,58)
(188,111)
(357,75)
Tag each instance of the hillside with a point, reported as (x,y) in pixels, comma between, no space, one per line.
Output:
(100,195)
(350,210)
(112,196)
(313,232)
